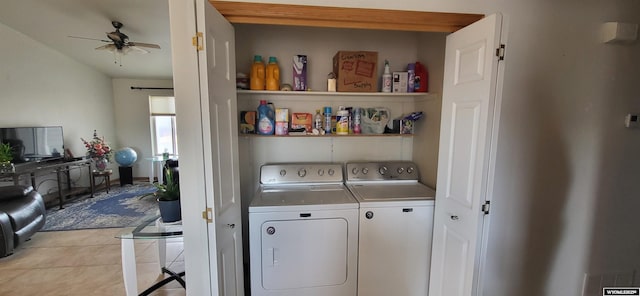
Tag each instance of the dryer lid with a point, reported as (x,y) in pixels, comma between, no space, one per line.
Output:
(391,191)
(326,196)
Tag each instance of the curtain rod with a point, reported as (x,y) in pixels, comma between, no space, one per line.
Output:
(154,88)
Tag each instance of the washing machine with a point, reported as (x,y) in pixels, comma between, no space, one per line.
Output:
(395,227)
(303,232)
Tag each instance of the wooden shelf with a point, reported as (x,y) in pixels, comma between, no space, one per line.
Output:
(332,93)
(341,17)
(325,136)
(312,96)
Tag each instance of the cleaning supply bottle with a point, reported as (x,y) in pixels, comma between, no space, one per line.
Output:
(273,74)
(257,79)
(327,120)
(266,119)
(386,78)
(317,121)
(342,121)
(357,121)
(411,70)
(422,78)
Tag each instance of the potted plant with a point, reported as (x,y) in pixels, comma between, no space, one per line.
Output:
(6,156)
(168,196)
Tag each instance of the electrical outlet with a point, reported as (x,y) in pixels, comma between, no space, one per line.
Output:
(631,120)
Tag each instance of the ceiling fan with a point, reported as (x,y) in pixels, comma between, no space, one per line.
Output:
(119,43)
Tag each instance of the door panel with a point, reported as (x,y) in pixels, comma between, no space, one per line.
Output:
(470,63)
(464,128)
(304,253)
(456,256)
(392,262)
(468,104)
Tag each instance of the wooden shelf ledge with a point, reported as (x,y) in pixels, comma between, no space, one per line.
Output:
(341,17)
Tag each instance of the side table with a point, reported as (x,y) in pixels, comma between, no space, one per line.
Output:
(106,177)
(150,229)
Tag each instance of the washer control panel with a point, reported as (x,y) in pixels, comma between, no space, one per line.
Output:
(301,173)
(380,171)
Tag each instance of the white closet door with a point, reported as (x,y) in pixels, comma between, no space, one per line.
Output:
(206,113)
(464,161)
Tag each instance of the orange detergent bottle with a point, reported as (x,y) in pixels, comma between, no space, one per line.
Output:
(257,79)
(273,74)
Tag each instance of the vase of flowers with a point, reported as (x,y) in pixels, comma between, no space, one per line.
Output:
(99,151)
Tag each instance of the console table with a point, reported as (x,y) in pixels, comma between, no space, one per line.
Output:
(59,167)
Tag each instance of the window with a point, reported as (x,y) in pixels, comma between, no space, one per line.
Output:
(163,125)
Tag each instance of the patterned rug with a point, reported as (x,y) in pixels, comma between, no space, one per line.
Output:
(121,207)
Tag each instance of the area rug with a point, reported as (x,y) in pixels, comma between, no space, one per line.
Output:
(125,206)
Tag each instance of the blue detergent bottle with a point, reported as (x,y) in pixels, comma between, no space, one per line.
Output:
(266,117)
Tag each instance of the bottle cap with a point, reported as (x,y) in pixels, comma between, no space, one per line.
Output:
(257,58)
(272,60)
(327,110)
(263,102)
(411,66)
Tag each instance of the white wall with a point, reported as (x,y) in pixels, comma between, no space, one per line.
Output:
(40,87)
(132,117)
(566,175)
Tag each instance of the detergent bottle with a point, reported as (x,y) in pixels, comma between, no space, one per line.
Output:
(422,78)
(266,117)
(257,79)
(273,74)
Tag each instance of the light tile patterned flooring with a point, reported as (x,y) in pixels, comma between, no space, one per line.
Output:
(84,262)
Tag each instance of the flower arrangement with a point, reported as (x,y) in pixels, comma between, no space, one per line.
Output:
(98,148)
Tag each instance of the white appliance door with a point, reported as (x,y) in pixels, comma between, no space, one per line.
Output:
(394,251)
(304,253)
(206,115)
(464,161)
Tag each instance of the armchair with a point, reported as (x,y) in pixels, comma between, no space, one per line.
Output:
(22,214)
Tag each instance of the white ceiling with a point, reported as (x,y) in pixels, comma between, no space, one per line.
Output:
(52,21)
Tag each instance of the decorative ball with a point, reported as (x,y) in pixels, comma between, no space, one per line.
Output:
(126,156)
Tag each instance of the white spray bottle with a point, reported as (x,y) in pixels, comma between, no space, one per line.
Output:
(386,78)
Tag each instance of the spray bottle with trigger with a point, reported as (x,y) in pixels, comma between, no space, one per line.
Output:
(386,78)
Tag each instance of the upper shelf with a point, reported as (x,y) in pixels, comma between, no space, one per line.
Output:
(332,93)
(332,96)
(341,17)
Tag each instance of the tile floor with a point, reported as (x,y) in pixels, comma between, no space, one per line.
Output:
(83,262)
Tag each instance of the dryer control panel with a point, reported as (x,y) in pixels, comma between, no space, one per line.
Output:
(301,173)
(382,171)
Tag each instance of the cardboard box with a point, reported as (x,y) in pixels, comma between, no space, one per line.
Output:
(400,126)
(299,72)
(302,120)
(356,71)
(282,128)
(248,122)
(282,115)
(400,80)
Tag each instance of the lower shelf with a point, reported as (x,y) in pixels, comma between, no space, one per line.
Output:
(326,135)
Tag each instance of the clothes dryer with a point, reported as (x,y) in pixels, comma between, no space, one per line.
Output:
(303,232)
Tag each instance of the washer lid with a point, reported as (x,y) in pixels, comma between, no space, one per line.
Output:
(284,198)
(391,191)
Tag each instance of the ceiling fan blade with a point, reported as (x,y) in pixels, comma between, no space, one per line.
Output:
(137,49)
(86,38)
(109,47)
(140,44)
